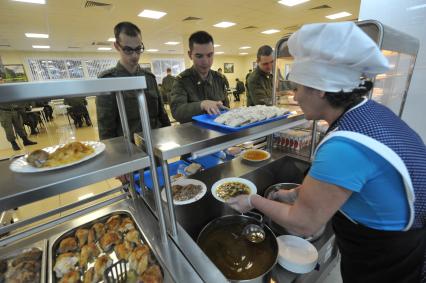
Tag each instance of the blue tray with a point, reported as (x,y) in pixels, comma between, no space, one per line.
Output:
(207,161)
(208,119)
(173,167)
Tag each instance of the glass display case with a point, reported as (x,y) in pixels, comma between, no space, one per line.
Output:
(390,88)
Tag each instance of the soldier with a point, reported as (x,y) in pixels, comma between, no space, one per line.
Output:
(226,80)
(199,89)
(259,82)
(167,85)
(78,111)
(10,118)
(128,42)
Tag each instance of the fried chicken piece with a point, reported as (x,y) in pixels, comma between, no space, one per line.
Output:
(102,263)
(138,259)
(133,236)
(151,275)
(123,250)
(71,277)
(65,263)
(109,240)
(126,225)
(113,223)
(89,276)
(91,236)
(68,245)
(99,229)
(88,252)
(33,254)
(81,235)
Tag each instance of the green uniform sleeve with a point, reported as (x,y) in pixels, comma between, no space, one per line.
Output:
(107,114)
(182,110)
(257,91)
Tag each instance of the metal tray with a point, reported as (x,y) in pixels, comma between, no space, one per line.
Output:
(16,249)
(55,241)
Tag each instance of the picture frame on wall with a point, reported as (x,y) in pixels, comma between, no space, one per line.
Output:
(145,66)
(228,68)
(13,73)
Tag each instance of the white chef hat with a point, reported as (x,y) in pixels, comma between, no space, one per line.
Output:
(333,56)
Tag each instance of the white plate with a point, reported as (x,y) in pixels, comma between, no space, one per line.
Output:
(253,189)
(21,165)
(268,155)
(184,182)
(296,254)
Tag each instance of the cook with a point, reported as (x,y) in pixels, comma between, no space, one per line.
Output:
(369,172)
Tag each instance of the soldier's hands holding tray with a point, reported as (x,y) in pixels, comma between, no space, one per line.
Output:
(212,107)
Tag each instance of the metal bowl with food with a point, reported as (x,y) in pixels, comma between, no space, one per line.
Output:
(186,191)
(227,188)
(256,155)
(240,260)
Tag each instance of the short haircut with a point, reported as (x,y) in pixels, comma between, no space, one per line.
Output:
(200,37)
(127,28)
(169,70)
(220,69)
(264,50)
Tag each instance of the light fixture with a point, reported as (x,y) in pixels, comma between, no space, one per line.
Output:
(243,53)
(41,46)
(104,48)
(270,31)
(245,47)
(291,3)
(216,45)
(152,50)
(36,35)
(171,43)
(152,14)
(338,15)
(111,39)
(224,25)
(416,7)
(32,1)
(219,52)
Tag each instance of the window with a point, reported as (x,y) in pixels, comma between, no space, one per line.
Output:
(159,67)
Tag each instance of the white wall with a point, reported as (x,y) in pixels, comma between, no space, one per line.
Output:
(400,15)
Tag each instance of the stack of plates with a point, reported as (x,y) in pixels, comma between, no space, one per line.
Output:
(296,254)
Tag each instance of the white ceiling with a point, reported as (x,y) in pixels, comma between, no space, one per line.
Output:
(70,24)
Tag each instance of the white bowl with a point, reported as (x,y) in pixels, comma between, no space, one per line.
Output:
(268,155)
(296,254)
(253,189)
(184,182)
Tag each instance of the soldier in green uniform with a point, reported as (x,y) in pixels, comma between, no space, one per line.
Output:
(128,42)
(78,110)
(199,89)
(220,71)
(260,81)
(167,85)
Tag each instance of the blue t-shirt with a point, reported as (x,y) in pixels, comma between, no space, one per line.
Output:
(378,197)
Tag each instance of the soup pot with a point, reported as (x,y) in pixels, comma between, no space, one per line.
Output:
(236,257)
(280,230)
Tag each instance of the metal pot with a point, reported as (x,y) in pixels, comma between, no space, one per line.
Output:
(237,258)
(278,229)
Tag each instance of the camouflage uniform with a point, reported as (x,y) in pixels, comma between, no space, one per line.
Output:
(106,106)
(11,118)
(259,88)
(166,86)
(189,90)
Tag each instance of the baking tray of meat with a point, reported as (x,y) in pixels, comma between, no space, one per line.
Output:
(23,264)
(83,253)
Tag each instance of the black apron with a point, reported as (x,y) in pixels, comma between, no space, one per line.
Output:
(375,256)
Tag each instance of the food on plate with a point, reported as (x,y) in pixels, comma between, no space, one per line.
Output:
(255,155)
(246,115)
(151,275)
(123,250)
(232,189)
(192,169)
(65,263)
(235,150)
(176,177)
(102,263)
(126,225)
(113,223)
(68,153)
(88,252)
(99,229)
(108,240)
(68,245)
(133,236)
(182,193)
(37,158)
(138,259)
(89,276)
(81,235)
(71,277)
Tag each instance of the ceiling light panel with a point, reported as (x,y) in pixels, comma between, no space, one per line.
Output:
(291,3)
(111,39)
(152,14)
(217,45)
(104,48)
(36,35)
(171,43)
(41,46)
(245,47)
(270,31)
(338,15)
(152,50)
(224,25)
(243,53)
(219,52)
(31,1)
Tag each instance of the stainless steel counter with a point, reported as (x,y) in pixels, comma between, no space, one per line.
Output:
(119,157)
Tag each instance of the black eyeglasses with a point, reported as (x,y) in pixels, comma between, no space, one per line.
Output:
(129,50)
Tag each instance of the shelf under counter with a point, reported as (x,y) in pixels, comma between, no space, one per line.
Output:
(120,157)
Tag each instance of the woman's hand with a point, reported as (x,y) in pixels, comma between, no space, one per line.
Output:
(285,196)
(241,203)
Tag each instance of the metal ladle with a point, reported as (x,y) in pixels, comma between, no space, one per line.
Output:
(254,233)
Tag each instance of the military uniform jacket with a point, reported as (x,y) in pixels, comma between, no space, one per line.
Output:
(106,106)
(259,88)
(189,90)
(167,83)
